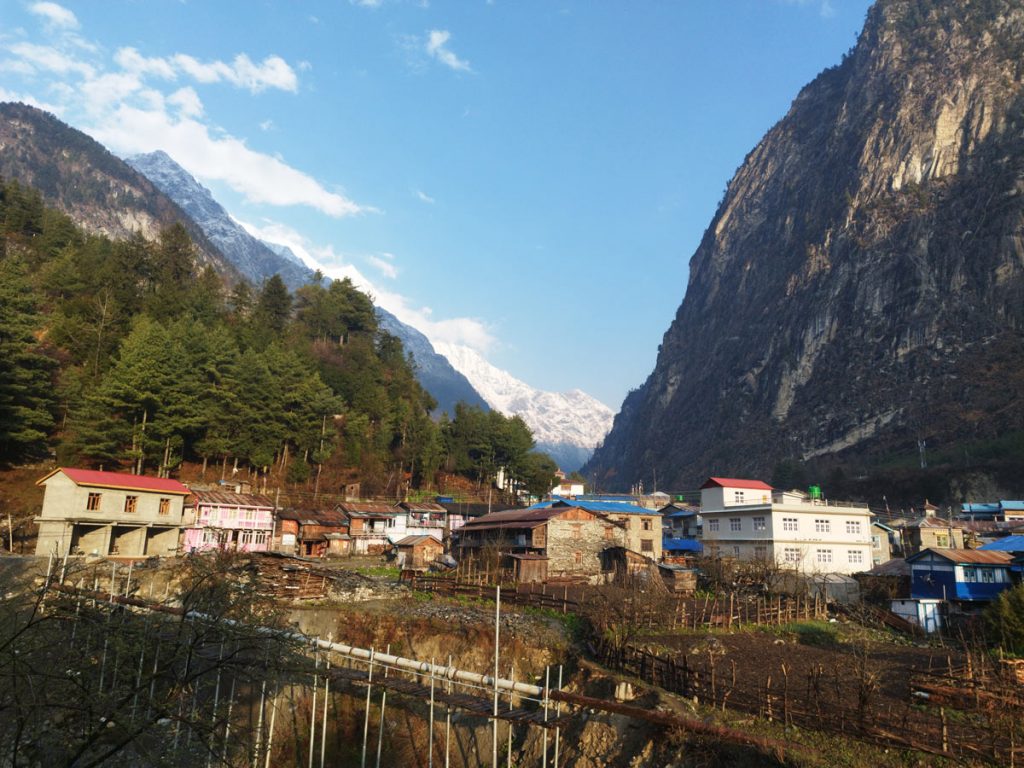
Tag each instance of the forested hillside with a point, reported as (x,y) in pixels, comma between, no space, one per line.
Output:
(125,354)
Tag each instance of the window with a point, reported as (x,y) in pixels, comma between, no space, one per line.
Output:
(825,556)
(759,524)
(577,531)
(164,507)
(260,537)
(876,542)
(737,497)
(941,540)
(608,533)
(646,545)
(791,555)
(647,523)
(93,502)
(988,576)
(131,504)
(712,525)
(970,574)
(853,526)
(822,526)
(578,558)
(760,552)
(854,556)
(735,551)
(790,524)
(734,524)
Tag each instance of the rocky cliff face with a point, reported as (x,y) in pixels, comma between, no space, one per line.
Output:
(80,177)
(861,286)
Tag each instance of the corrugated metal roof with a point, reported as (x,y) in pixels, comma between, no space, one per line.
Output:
(530,517)
(422,506)
(1005,544)
(373,507)
(966,556)
(735,482)
(120,480)
(228,499)
(412,541)
(979,509)
(1012,504)
(897,566)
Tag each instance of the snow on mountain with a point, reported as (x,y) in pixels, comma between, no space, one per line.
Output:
(250,255)
(567,425)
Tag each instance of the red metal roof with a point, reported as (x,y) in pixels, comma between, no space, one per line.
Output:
(735,482)
(120,480)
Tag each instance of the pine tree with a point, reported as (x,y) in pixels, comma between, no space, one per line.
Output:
(26,374)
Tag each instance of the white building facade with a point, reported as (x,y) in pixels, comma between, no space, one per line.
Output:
(749,520)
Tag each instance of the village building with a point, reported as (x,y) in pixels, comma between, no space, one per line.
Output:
(947,582)
(417,552)
(538,543)
(680,521)
(90,512)
(373,526)
(228,521)
(568,489)
(428,518)
(313,532)
(749,520)
(1002,511)
(932,532)
(882,537)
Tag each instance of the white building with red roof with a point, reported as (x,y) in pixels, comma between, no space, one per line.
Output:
(90,512)
(750,520)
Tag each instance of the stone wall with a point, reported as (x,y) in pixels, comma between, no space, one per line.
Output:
(575,545)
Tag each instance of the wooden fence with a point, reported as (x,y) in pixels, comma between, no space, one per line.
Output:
(980,724)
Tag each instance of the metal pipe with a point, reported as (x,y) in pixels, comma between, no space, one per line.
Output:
(558,711)
(430,721)
(366,716)
(383,706)
(323,726)
(270,728)
(494,717)
(547,681)
(312,710)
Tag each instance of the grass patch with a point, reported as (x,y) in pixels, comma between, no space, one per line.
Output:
(386,571)
(820,634)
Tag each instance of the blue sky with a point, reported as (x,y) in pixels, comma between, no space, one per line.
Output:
(526,178)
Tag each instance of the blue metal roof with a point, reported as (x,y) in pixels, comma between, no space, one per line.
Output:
(608,507)
(681,545)
(684,513)
(1006,544)
(1016,506)
(980,509)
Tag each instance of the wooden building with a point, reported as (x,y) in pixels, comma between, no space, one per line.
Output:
(418,551)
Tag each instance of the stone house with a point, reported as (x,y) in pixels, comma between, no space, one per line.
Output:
(555,540)
(932,532)
(89,512)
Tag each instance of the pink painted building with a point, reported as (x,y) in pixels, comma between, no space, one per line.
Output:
(221,520)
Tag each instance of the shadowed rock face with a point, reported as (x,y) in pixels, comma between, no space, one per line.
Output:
(861,285)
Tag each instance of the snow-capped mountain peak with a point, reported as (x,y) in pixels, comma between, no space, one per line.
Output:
(567,425)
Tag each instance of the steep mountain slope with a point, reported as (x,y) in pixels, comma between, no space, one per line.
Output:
(250,255)
(77,175)
(566,425)
(861,286)
(433,370)
(257,260)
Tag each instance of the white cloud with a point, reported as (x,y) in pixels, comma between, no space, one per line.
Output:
(56,15)
(50,59)
(436,48)
(423,196)
(367,3)
(259,177)
(131,60)
(187,101)
(383,264)
(267,125)
(272,72)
